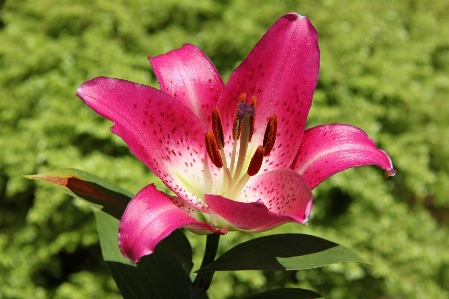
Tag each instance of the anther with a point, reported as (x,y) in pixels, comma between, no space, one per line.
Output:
(270,134)
(252,118)
(217,127)
(256,161)
(242,98)
(234,127)
(213,149)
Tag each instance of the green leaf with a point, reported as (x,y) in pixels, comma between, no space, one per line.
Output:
(158,275)
(178,245)
(286,293)
(283,252)
(107,228)
(103,195)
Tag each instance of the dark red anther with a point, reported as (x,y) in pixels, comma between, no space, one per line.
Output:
(242,98)
(213,149)
(217,127)
(270,134)
(256,161)
(252,118)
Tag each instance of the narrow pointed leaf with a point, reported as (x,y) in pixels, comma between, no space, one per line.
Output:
(105,196)
(112,200)
(283,252)
(286,293)
(158,275)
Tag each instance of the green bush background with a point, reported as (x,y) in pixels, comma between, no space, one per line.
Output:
(384,68)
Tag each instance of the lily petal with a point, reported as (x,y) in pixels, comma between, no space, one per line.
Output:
(328,149)
(158,129)
(149,218)
(267,201)
(188,75)
(282,72)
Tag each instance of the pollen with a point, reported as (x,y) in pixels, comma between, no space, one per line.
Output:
(213,149)
(270,134)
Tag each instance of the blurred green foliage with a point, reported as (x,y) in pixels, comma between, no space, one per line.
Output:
(384,68)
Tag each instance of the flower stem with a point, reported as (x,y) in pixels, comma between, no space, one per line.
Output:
(203,280)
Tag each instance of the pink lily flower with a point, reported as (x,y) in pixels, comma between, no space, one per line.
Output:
(236,156)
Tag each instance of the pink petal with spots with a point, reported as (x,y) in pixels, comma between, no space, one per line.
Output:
(158,129)
(189,76)
(281,71)
(328,149)
(268,200)
(149,218)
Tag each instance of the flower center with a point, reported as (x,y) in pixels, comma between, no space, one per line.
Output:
(243,129)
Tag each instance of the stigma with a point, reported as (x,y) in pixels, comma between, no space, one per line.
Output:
(235,178)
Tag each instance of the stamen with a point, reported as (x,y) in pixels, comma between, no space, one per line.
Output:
(243,129)
(216,149)
(252,119)
(256,161)
(270,134)
(244,112)
(213,149)
(235,135)
(217,127)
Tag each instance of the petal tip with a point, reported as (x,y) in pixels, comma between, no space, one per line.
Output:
(292,16)
(94,82)
(389,172)
(132,256)
(222,231)
(308,212)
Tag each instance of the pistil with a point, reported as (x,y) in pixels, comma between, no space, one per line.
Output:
(236,129)
(244,141)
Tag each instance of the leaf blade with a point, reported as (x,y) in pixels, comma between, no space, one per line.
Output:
(338,254)
(107,228)
(282,252)
(98,192)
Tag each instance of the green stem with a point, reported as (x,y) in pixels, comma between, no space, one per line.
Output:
(203,280)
